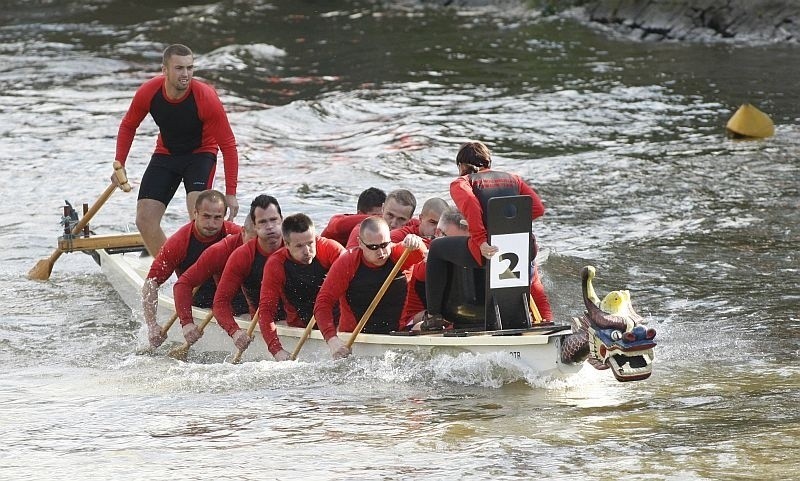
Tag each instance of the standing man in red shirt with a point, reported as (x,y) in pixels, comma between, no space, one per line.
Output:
(355,279)
(181,250)
(192,127)
(370,202)
(245,267)
(293,276)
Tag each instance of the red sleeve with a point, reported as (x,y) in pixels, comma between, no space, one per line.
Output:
(352,240)
(138,110)
(171,254)
(231,228)
(411,227)
(271,292)
(210,263)
(470,206)
(328,250)
(217,127)
(413,303)
(333,289)
(341,225)
(525,189)
(413,256)
(236,270)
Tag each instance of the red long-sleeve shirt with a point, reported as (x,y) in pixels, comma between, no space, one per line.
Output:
(469,205)
(183,248)
(411,227)
(341,225)
(176,119)
(242,271)
(416,286)
(337,283)
(396,235)
(209,265)
(276,280)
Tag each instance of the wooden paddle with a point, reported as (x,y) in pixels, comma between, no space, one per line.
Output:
(41,271)
(303,338)
(377,298)
(537,316)
(165,328)
(182,351)
(252,327)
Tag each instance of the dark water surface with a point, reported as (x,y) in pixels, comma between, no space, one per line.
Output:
(624,142)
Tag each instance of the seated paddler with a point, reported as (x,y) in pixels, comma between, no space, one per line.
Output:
(181,251)
(355,279)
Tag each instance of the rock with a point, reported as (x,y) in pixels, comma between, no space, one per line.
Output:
(748,20)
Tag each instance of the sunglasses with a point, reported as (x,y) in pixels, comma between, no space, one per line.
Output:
(374,247)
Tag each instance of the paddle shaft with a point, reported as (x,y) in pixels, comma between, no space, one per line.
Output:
(306,333)
(171,320)
(184,348)
(535,309)
(44,267)
(378,297)
(250,329)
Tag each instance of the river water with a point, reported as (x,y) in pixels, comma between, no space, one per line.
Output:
(623,140)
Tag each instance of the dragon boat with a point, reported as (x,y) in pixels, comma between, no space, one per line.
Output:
(608,335)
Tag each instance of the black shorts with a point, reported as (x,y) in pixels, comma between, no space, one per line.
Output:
(165,173)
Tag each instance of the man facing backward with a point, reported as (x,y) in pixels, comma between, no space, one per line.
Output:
(355,279)
(192,127)
(181,251)
(293,277)
(245,267)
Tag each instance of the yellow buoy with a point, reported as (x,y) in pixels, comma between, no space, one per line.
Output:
(748,121)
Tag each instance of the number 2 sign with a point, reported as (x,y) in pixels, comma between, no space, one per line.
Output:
(510,267)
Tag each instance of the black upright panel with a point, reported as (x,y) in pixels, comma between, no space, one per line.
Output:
(508,272)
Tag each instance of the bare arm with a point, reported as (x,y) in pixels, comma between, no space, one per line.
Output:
(150,301)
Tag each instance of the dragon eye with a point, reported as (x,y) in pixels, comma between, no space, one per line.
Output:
(616,335)
(650,333)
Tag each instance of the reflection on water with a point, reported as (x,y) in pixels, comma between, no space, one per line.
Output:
(624,141)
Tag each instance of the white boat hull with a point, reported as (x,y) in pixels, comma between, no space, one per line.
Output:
(538,350)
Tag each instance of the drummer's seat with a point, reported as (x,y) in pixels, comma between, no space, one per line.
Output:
(505,281)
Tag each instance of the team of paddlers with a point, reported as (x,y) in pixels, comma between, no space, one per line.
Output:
(278,267)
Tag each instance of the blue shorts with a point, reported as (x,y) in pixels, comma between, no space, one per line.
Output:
(166,172)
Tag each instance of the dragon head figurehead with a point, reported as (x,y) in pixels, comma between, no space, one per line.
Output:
(611,334)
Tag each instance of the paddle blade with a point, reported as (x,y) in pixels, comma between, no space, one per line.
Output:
(237,358)
(41,271)
(180,353)
(748,121)
(146,351)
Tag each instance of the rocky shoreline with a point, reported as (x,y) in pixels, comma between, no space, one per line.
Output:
(770,21)
(751,21)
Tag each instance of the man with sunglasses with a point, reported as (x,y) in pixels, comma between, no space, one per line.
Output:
(355,279)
